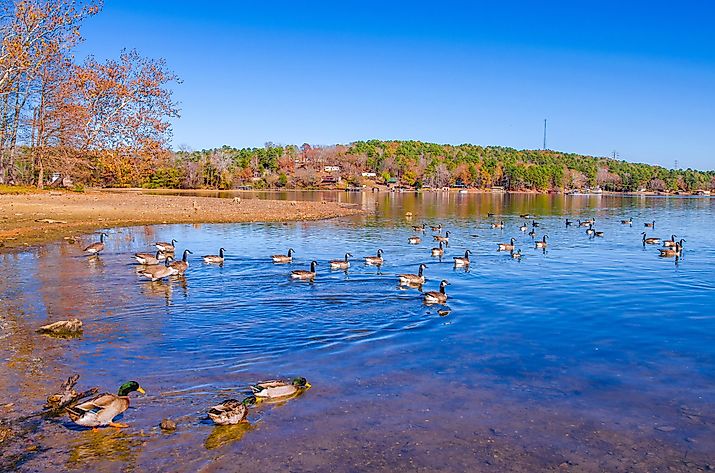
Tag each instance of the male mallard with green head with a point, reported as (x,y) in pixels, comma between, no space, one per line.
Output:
(101,410)
(276,389)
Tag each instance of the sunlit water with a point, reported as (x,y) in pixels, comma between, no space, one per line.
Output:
(596,354)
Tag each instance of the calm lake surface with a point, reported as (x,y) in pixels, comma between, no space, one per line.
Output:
(596,355)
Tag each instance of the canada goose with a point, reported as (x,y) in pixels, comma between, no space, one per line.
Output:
(515,255)
(590,231)
(231,411)
(438,251)
(96,247)
(628,222)
(443,239)
(374,260)
(671,242)
(586,223)
(598,233)
(414,240)
(284,258)
(527,216)
(532,233)
(649,225)
(672,251)
(149,258)
(419,228)
(464,260)
(101,410)
(166,247)
(437,228)
(275,389)
(413,279)
(159,271)
(434,297)
(489,214)
(568,223)
(215,259)
(650,241)
(534,224)
(523,228)
(498,225)
(341,264)
(506,246)
(182,265)
(542,243)
(303,274)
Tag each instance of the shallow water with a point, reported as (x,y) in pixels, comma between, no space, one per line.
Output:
(594,355)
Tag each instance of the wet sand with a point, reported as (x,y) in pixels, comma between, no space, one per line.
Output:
(33,219)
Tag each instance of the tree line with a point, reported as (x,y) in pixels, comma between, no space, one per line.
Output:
(97,122)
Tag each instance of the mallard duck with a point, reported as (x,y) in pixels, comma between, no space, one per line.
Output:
(506,246)
(498,225)
(627,221)
(148,258)
(542,243)
(413,279)
(303,274)
(650,241)
(515,255)
(275,389)
(284,258)
(649,225)
(670,243)
(182,265)
(672,251)
(101,410)
(96,247)
(436,228)
(523,228)
(462,261)
(414,240)
(435,297)
(442,239)
(166,247)
(231,411)
(159,271)
(341,264)
(568,223)
(374,260)
(438,251)
(419,228)
(215,259)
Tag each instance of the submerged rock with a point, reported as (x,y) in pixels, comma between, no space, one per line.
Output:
(62,328)
(168,425)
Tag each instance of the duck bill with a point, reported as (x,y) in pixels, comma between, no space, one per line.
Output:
(141,390)
(308,385)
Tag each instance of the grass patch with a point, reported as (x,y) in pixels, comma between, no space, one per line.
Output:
(15,190)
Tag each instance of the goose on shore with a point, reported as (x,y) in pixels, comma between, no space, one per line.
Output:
(442,239)
(375,260)
(96,247)
(414,240)
(149,258)
(542,243)
(231,411)
(183,264)
(413,279)
(215,259)
(650,241)
(506,246)
(438,251)
(463,260)
(165,247)
(101,410)
(341,264)
(159,271)
(303,274)
(435,297)
(284,258)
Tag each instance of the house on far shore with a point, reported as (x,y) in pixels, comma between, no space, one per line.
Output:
(369,174)
(392,180)
(330,179)
(331,168)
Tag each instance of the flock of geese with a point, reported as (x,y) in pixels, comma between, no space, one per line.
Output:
(161,263)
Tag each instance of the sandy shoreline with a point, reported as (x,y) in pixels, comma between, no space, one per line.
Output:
(32,219)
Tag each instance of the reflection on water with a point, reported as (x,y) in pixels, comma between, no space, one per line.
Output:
(589,346)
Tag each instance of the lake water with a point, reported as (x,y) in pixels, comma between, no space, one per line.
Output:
(595,355)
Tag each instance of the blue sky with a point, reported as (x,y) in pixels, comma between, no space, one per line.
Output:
(636,77)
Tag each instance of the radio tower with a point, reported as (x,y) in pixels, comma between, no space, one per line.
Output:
(544,134)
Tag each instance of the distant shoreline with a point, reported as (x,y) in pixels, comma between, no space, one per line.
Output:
(31,219)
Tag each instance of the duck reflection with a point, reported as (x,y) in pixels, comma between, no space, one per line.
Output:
(223,435)
(104,445)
